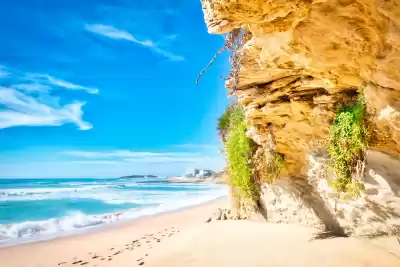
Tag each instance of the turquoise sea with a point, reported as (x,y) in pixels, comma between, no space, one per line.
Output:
(36,209)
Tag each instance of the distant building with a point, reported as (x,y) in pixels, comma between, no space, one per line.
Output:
(205,173)
(199,173)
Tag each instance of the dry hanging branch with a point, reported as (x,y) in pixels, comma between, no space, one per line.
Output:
(210,63)
(233,42)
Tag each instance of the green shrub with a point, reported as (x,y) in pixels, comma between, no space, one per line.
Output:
(223,122)
(238,151)
(348,139)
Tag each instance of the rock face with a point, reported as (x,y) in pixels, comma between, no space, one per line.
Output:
(300,61)
(313,203)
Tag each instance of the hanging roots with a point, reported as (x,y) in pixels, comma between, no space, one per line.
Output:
(234,40)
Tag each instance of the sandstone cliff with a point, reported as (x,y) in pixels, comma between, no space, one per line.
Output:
(301,59)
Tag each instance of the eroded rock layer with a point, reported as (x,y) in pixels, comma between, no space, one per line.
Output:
(304,58)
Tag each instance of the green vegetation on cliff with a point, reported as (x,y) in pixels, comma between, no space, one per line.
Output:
(224,122)
(348,139)
(238,150)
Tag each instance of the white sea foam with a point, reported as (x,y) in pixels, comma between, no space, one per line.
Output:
(22,194)
(73,221)
(46,190)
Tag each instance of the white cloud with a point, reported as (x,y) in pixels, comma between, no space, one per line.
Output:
(190,159)
(172,36)
(167,54)
(32,87)
(165,160)
(127,154)
(28,99)
(199,146)
(50,80)
(39,82)
(3,73)
(118,34)
(24,110)
(92,162)
(114,33)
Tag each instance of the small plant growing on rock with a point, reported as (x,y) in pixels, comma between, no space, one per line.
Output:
(224,122)
(348,140)
(275,165)
(271,166)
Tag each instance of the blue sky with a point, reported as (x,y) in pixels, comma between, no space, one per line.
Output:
(107,88)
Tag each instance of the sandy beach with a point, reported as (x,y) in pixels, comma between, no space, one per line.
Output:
(182,238)
(111,245)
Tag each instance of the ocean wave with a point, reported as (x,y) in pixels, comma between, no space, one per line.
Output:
(76,220)
(45,190)
(73,221)
(110,193)
(118,196)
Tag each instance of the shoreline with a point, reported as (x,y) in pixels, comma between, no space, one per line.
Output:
(183,239)
(183,180)
(98,228)
(51,252)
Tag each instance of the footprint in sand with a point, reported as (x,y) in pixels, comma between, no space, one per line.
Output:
(84,263)
(76,262)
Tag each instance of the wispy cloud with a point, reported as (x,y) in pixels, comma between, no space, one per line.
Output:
(50,80)
(92,162)
(24,110)
(125,154)
(165,160)
(198,146)
(200,153)
(32,87)
(3,72)
(140,157)
(40,82)
(27,100)
(167,54)
(118,34)
(114,33)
